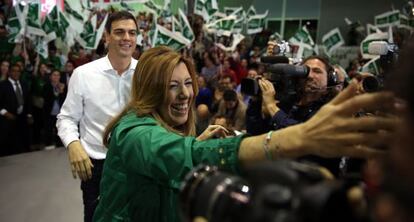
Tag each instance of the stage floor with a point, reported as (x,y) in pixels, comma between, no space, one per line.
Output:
(39,187)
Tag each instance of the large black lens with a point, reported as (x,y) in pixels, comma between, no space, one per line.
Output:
(213,195)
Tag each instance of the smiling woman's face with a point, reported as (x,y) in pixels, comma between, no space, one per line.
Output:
(180,94)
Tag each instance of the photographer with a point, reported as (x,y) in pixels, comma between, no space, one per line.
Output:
(314,92)
(265,113)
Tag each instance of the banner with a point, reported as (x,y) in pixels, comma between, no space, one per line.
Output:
(187,31)
(255,23)
(15,24)
(372,66)
(163,36)
(372,29)
(390,18)
(332,40)
(237,38)
(302,36)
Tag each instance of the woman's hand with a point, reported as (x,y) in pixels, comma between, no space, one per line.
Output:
(334,131)
(213,130)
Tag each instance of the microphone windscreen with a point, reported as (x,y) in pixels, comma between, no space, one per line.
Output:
(274,59)
(378,48)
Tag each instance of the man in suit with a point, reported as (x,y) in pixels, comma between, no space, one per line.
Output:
(14,114)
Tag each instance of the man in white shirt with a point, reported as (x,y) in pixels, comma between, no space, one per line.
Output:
(97,92)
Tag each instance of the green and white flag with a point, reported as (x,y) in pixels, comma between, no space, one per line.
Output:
(156,9)
(206,9)
(304,50)
(90,37)
(388,18)
(365,43)
(251,11)
(255,23)
(34,25)
(187,31)
(302,36)
(41,46)
(47,27)
(405,22)
(211,7)
(163,36)
(373,66)
(60,23)
(332,40)
(72,12)
(15,24)
(223,26)
(126,6)
(240,19)
(237,38)
(372,29)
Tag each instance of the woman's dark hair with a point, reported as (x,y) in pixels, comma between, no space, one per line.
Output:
(116,16)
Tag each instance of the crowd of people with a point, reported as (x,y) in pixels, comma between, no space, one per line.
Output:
(133,132)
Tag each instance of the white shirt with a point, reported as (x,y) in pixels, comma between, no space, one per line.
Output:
(96,94)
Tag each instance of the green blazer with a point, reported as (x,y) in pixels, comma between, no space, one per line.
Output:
(145,166)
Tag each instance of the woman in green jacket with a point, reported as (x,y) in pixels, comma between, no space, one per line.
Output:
(152,145)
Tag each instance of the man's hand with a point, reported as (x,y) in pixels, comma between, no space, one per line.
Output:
(79,161)
(268,97)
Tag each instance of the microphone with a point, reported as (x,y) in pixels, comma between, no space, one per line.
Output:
(274,59)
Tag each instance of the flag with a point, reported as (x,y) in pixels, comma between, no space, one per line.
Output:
(151,6)
(372,29)
(206,8)
(47,27)
(71,12)
(240,20)
(304,50)
(251,11)
(41,47)
(302,36)
(332,40)
(60,23)
(365,43)
(163,36)
(126,6)
(237,38)
(15,24)
(187,31)
(33,20)
(388,18)
(221,26)
(372,66)
(255,23)
(90,37)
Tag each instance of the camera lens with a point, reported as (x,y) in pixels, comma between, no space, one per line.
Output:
(213,195)
(370,84)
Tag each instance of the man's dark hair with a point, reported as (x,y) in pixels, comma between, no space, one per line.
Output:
(116,16)
(230,95)
(324,60)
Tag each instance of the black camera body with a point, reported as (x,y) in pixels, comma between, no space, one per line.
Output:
(284,77)
(281,191)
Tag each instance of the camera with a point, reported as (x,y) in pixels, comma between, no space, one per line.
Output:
(278,191)
(284,77)
(388,56)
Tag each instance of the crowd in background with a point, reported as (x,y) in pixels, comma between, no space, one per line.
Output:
(45,80)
